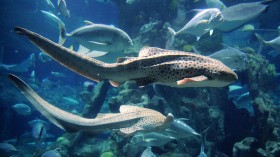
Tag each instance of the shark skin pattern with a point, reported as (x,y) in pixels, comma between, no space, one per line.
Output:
(130,120)
(153,65)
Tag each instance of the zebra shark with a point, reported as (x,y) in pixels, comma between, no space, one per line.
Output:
(153,65)
(130,120)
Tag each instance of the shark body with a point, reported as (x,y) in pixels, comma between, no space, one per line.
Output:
(130,120)
(153,65)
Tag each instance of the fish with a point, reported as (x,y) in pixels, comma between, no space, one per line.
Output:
(274,43)
(215,4)
(57,74)
(237,15)
(236,90)
(24,66)
(179,129)
(148,153)
(248,27)
(130,120)
(153,65)
(231,57)
(202,152)
(70,101)
(37,131)
(7,150)
(22,109)
(95,39)
(43,57)
(203,22)
(51,153)
(49,4)
(150,139)
(62,8)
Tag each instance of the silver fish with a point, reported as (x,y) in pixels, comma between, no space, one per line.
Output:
(179,129)
(130,120)
(154,65)
(21,67)
(274,43)
(215,4)
(39,128)
(22,109)
(51,153)
(232,57)
(62,8)
(202,152)
(238,15)
(148,153)
(7,150)
(150,139)
(203,22)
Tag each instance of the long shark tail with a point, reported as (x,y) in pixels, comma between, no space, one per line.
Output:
(76,62)
(61,25)
(262,42)
(64,120)
(170,43)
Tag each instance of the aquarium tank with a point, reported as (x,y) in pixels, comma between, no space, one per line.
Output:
(140,78)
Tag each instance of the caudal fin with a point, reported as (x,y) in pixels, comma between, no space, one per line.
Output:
(61,25)
(262,42)
(170,43)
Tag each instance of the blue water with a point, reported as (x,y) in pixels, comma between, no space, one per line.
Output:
(234,125)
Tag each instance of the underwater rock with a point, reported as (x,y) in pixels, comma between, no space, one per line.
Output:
(244,148)
(93,107)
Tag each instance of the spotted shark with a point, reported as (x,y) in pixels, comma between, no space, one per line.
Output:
(130,120)
(153,65)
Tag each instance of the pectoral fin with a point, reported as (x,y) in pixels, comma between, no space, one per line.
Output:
(114,83)
(192,79)
(202,22)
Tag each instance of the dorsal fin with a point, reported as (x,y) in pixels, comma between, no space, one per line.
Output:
(150,51)
(130,108)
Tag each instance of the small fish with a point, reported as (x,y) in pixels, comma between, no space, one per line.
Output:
(57,74)
(148,153)
(22,109)
(49,4)
(95,39)
(248,27)
(153,65)
(203,22)
(130,120)
(7,150)
(231,57)
(62,8)
(39,128)
(51,153)
(202,152)
(70,101)
(236,90)
(150,139)
(24,66)
(274,43)
(44,57)
(179,129)
(215,4)
(237,15)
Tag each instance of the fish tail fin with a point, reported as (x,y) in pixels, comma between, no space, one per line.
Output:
(61,25)
(171,41)
(262,42)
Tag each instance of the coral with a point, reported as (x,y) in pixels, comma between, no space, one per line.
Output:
(244,148)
